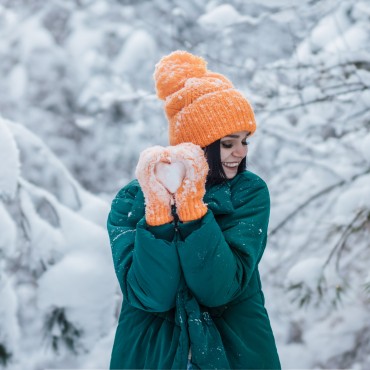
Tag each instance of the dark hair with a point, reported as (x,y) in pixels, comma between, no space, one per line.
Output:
(216,174)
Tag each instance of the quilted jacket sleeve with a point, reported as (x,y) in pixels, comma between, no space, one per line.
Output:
(146,265)
(218,264)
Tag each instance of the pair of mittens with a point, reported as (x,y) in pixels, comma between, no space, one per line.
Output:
(174,174)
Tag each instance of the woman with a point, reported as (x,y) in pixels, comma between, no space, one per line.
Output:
(188,234)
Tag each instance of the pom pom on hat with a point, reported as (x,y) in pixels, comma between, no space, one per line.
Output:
(201,106)
(174,69)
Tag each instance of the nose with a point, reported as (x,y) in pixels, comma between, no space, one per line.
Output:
(240,151)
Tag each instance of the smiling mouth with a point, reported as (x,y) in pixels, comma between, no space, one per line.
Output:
(231,164)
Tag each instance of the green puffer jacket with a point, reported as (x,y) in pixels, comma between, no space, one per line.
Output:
(195,284)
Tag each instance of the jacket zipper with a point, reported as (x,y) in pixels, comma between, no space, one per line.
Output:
(174,214)
(177,230)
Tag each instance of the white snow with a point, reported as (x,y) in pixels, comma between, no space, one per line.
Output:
(321,336)
(351,39)
(137,51)
(9,327)
(308,272)
(330,27)
(196,167)
(87,291)
(222,16)
(37,37)
(85,285)
(352,200)
(48,241)
(9,161)
(8,232)
(170,175)
(18,80)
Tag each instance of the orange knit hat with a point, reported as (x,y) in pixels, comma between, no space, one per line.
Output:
(201,106)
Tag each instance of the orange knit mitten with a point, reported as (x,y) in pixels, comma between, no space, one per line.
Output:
(157,197)
(189,196)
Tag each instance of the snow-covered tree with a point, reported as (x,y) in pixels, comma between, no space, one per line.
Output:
(58,289)
(316,136)
(77,76)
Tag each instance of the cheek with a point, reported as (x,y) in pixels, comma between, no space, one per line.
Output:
(243,151)
(224,153)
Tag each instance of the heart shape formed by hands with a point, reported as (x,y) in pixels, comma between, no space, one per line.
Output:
(170,175)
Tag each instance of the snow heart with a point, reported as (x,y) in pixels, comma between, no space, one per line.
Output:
(170,175)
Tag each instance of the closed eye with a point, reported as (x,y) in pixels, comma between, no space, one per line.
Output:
(227,146)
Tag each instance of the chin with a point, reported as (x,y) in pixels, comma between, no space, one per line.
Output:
(230,175)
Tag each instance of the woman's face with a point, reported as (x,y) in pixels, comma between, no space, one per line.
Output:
(234,148)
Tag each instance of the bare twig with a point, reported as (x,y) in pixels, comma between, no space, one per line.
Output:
(309,162)
(342,240)
(351,231)
(312,198)
(318,100)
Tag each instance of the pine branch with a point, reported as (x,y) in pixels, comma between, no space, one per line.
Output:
(5,356)
(67,334)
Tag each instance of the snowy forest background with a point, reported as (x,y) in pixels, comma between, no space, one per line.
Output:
(77,105)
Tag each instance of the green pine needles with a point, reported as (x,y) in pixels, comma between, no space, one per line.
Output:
(59,332)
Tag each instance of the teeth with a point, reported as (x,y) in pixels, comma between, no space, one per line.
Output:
(231,165)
